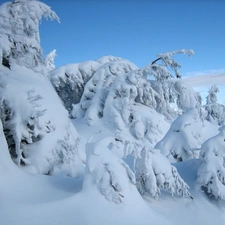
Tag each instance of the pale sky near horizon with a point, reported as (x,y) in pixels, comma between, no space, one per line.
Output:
(137,30)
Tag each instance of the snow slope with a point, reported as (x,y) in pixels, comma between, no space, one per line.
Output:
(101,168)
(31,198)
(28,198)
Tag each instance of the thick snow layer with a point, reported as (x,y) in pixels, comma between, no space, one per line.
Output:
(184,138)
(30,95)
(29,198)
(57,200)
(211,174)
(104,167)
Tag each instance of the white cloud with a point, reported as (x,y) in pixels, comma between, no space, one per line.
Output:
(201,81)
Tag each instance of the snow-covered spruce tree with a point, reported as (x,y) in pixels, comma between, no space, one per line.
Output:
(69,80)
(21,125)
(113,176)
(19,34)
(211,173)
(133,90)
(108,172)
(215,111)
(168,89)
(92,102)
(153,172)
(37,128)
(184,138)
(129,102)
(125,81)
(186,97)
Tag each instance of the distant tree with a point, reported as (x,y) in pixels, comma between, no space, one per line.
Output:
(49,60)
(211,173)
(215,111)
(19,33)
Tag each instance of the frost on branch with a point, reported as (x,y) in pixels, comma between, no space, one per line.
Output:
(211,173)
(154,172)
(184,138)
(19,33)
(106,171)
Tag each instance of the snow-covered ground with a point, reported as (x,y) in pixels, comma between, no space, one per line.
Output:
(31,198)
(102,142)
(28,198)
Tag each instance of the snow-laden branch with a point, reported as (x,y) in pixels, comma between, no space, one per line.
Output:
(19,33)
(211,173)
(109,173)
(161,72)
(154,172)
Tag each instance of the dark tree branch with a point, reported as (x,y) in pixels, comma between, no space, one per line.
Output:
(153,62)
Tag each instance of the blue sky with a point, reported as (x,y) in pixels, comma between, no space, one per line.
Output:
(137,30)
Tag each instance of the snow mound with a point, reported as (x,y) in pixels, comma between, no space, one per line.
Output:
(184,138)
